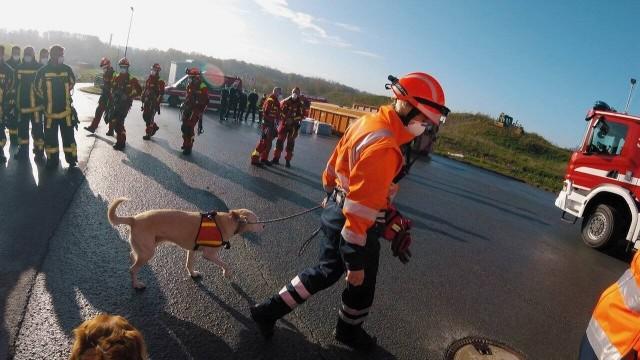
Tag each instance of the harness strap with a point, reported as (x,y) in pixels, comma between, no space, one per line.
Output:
(207,222)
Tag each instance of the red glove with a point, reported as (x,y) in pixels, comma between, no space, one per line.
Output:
(400,246)
(397,231)
(395,223)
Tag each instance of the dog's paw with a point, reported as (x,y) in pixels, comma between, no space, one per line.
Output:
(196,275)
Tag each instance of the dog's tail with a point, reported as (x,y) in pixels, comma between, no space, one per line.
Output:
(115,219)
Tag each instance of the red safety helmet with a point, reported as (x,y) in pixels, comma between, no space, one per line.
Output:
(423,92)
(105,62)
(156,67)
(124,62)
(193,72)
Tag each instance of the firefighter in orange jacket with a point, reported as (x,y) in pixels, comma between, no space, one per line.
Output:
(360,182)
(292,114)
(105,96)
(151,99)
(124,89)
(614,329)
(193,107)
(271,114)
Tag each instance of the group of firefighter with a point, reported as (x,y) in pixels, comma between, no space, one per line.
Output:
(279,119)
(37,93)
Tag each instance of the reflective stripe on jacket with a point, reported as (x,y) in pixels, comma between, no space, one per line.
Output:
(614,328)
(271,109)
(363,165)
(53,85)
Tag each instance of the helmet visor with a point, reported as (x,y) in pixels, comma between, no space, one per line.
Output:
(443,110)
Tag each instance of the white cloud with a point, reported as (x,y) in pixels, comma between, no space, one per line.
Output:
(367,54)
(304,21)
(349,27)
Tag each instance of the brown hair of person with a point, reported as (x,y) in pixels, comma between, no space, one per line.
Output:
(108,337)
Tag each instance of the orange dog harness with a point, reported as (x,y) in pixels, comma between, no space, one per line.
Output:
(209,234)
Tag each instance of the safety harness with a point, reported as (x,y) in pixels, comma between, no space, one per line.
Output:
(209,233)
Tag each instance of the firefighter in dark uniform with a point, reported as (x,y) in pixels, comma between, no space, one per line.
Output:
(6,99)
(12,117)
(27,109)
(242,105)
(291,115)
(124,88)
(260,106)
(151,99)
(224,103)
(360,180)
(53,85)
(253,102)
(233,101)
(105,97)
(193,107)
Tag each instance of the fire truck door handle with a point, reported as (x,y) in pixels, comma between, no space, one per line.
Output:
(612,174)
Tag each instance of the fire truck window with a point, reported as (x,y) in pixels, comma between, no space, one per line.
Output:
(608,138)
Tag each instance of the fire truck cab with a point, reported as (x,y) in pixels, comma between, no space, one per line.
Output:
(602,183)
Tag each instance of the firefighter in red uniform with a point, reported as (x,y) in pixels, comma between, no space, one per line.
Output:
(193,108)
(124,88)
(151,99)
(360,180)
(271,114)
(105,96)
(291,115)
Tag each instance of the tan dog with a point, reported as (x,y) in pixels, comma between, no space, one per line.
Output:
(150,228)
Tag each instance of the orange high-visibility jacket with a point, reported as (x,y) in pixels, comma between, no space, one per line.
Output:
(363,166)
(614,329)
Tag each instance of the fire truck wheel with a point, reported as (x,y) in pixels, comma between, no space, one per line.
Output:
(174,101)
(601,227)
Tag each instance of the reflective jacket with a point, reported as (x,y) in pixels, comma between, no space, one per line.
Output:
(153,90)
(25,95)
(292,111)
(614,329)
(363,166)
(197,96)
(107,81)
(124,88)
(53,85)
(6,88)
(271,109)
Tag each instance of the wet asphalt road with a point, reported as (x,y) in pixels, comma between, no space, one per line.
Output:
(491,257)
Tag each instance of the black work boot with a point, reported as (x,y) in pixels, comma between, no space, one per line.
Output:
(146,137)
(90,129)
(288,164)
(266,314)
(354,337)
(275,161)
(110,132)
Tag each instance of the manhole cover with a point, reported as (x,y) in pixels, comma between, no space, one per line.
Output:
(478,348)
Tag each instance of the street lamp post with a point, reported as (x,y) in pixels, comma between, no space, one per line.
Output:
(126,47)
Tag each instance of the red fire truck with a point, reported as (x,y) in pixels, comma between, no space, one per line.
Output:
(176,93)
(602,183)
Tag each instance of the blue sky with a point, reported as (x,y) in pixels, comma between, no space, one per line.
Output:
(543,62)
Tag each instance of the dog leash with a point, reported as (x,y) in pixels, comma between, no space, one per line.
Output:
(304,245)
(286,217)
